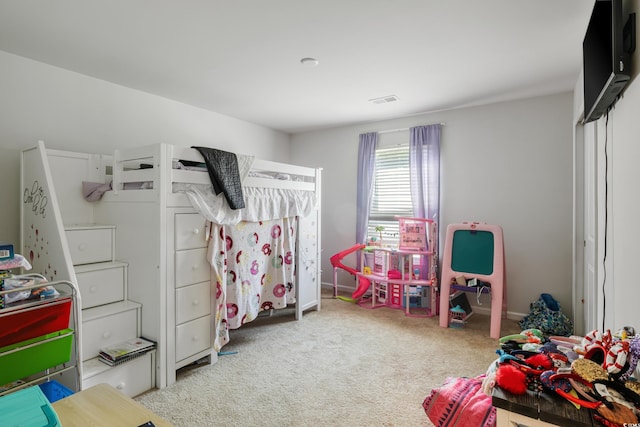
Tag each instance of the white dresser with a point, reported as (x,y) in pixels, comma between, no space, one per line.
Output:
(169,274)
(193,290)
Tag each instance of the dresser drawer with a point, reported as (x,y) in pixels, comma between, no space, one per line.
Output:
(193,301)
(193,337)
(506,418)
(88,244)
(107,325)
(189,230)
(132,378)
(192,267)
(101,283)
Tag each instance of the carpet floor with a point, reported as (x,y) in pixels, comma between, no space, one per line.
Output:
(344,365)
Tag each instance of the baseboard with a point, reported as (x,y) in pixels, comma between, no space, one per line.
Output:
(484,310)
(341,288)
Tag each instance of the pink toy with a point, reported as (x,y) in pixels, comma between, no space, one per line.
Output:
(474,250)
(336,262)
(405,278)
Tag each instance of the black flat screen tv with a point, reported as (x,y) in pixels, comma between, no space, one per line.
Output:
(606,62)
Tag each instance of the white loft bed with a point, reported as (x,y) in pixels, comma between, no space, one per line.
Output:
(150,203)
(132,176)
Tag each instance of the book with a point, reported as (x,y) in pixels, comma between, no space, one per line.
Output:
(117,352)
(123,359)
(6,251)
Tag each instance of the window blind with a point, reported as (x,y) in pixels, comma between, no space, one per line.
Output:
(391,193)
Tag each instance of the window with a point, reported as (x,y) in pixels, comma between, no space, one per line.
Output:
(391,193)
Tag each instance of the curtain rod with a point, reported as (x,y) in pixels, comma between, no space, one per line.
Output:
(400,129)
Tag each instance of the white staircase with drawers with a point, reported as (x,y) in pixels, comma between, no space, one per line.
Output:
(81,251)
(108,317)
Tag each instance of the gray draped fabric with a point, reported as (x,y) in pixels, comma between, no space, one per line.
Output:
(225,176)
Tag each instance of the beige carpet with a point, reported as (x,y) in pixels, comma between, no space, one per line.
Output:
(343,366)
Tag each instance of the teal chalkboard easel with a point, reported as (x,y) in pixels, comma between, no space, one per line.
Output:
(472,252)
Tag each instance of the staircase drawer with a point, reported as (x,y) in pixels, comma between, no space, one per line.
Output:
(193,337)
(131,378)
(101,283)
(88,244)
(189,230)
(192,302)
(192,267)
(107,325)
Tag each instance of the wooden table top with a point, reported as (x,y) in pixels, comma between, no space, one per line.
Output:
(544,406)
(103,405)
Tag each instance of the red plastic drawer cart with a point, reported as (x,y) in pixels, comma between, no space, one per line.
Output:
(39,337)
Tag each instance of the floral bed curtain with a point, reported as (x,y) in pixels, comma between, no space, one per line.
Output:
(253,265)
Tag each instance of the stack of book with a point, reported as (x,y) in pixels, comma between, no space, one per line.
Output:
(125,351)
(6,251)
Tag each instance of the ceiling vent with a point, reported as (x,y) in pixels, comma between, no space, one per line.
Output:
(384,99)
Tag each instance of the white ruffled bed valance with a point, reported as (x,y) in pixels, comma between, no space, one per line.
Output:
(261,204)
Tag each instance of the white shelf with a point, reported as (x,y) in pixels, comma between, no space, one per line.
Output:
(40,372)
(412,282)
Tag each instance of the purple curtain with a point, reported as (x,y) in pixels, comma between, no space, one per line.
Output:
(424,170)
(366,172)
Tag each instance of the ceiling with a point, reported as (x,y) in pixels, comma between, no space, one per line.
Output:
(242,58)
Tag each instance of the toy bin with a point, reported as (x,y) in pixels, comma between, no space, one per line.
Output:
(54,391)
(34,322)
(456,317)
(28,407)
(35,355)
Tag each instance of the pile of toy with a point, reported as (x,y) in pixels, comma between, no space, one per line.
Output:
(597,371)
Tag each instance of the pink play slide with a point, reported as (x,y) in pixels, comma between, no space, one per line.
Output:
(336,262)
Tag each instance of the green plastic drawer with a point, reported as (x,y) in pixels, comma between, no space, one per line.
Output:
(35,355)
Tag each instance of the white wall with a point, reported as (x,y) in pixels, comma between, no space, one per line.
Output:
(507,163)
(70,111)
(618,277)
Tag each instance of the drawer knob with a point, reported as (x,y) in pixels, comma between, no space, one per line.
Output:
(195,267)
(82,246)
(93,289)
(106,335)
(120,386)
(196,302)
(194,339)
(196,231)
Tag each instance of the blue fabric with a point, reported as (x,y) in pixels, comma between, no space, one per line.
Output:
(551,303)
